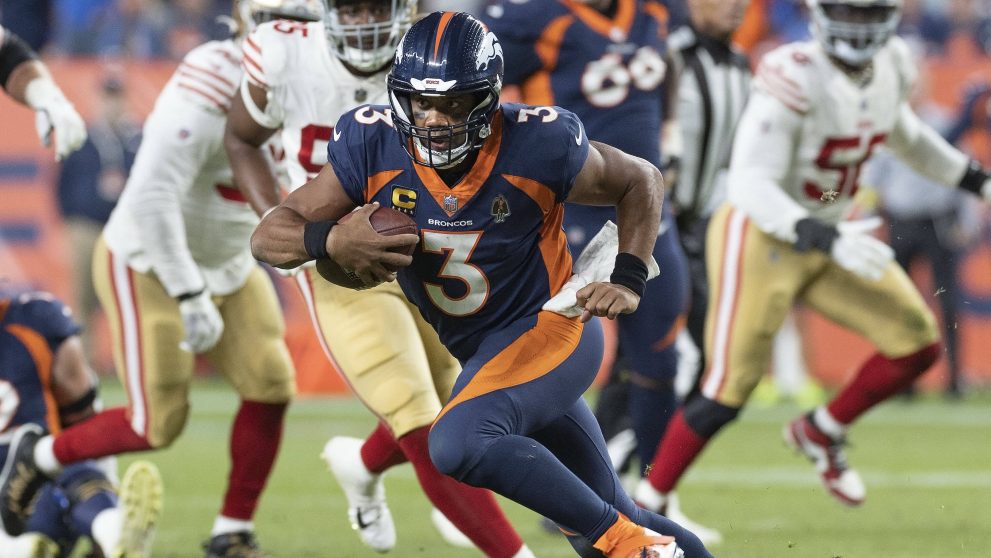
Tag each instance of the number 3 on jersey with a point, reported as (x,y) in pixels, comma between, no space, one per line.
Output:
(457,246)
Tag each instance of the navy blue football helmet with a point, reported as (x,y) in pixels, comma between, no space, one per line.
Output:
(446,54)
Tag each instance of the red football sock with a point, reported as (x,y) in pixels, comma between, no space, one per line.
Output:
(678,450)
(878,379)
(255,439)
(106,433)
(473,510)
(380,450)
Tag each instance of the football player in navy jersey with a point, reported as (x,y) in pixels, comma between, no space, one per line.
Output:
(486,184)
(46,383)
(604,60)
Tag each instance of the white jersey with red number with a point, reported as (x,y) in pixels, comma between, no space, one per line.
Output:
(308,90)
(809,127)
(180,214)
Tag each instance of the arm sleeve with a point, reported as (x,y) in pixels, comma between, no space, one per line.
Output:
(764,146)
(346,153)
(178,139)
(13,52)
(923,149)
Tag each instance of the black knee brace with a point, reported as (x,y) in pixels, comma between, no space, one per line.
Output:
(706,417)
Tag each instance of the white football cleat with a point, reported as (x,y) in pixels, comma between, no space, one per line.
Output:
(842,482)
(367,510)
(449,531)
(28,545)
(140,502)
(669,506)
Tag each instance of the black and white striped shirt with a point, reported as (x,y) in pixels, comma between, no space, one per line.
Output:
(714,81)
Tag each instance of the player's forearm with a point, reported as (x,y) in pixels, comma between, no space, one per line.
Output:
(253,175)
(638,212)
(278,239)
(163,238)
(24,74)
(926,151)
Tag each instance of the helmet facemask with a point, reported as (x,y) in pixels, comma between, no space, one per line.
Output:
(853,32)
(369,45)
(461,139)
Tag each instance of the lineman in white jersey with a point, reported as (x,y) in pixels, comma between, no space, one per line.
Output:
(817,111)
(300,78)
(172,269)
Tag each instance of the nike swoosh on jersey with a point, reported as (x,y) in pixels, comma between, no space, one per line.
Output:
(578,138)
(337,134)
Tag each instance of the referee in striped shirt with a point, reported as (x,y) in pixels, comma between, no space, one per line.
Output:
(709,87)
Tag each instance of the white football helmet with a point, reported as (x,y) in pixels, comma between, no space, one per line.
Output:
(854,30)
(255,12)
(371,44)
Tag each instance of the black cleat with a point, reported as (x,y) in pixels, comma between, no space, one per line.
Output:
(233,545)
(20,480)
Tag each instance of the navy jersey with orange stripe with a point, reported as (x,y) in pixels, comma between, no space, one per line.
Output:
(32,327)
(607,70)
(491,248)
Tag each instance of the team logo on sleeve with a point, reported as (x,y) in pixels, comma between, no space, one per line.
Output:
(404,200)
(500,209)
(450,203)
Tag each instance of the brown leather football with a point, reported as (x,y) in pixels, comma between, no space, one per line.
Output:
(385,221)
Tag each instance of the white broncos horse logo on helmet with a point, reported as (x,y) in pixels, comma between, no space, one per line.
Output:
(488,51)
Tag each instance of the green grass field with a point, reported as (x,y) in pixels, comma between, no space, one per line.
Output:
(927,465)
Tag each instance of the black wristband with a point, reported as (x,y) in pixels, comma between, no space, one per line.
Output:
(315,238)
(814,234)
(630,272)
(973,179)
(80,404)
(191,294)
(13,52)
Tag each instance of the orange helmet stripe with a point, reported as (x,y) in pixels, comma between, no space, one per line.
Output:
(445,18)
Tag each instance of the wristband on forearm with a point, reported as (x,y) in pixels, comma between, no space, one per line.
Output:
(814,234)
(315,238)
(973,179)
(630,272)
(188,295)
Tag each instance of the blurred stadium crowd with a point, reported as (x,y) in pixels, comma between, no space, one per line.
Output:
(168,29)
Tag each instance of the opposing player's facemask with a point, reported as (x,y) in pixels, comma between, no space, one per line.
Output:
(446,54)
(364,33)
(853,31)
(255,12)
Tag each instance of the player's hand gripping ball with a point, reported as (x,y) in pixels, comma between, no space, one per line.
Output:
(385,221)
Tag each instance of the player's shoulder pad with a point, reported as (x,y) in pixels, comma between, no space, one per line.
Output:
(522,18)
(788,73)
(220,58)
(208,76)
(904,63)
(552,131)
(364,123)
(274,51)
(46,314)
